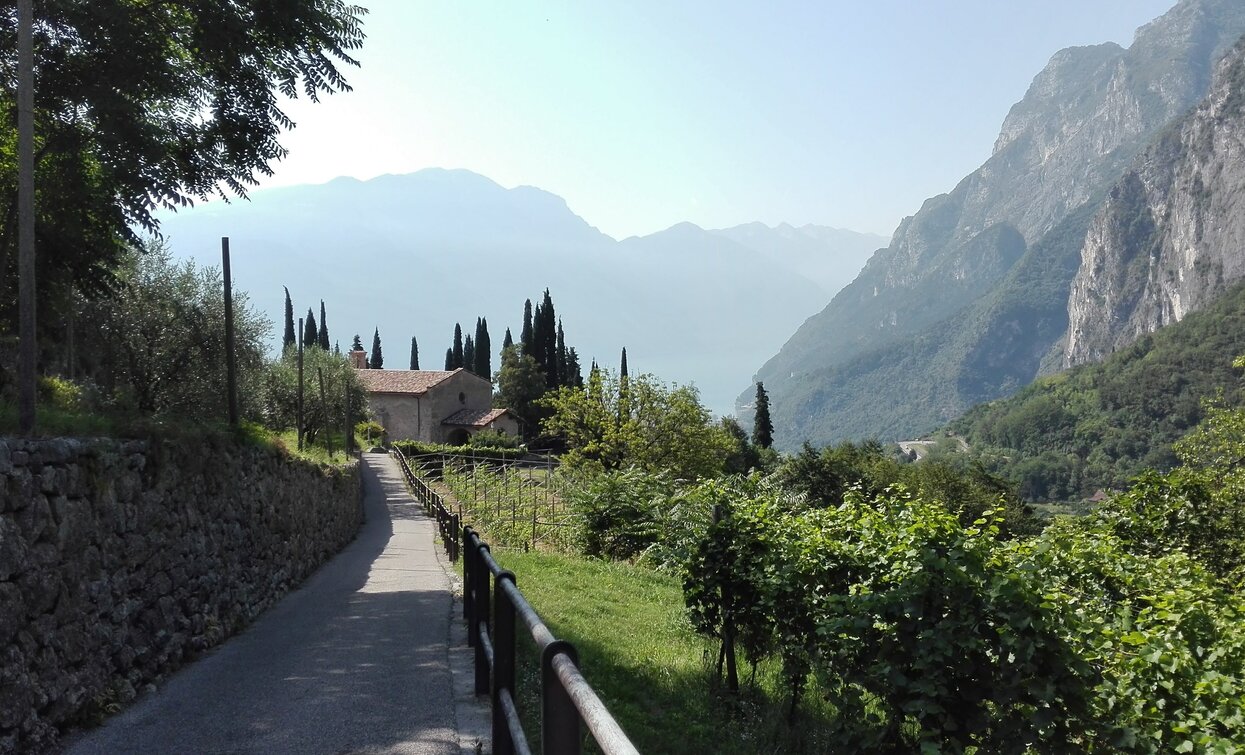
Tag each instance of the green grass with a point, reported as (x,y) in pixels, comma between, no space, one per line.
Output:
(317,452)
(52,422)
(653,672)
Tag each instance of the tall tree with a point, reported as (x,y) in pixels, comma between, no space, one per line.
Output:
(508,341)
(324,328)
(191,109)
(762,427)
(357,344)
(520,385)
(289,339)
(624,392)
(563,362)
(377,362)
(458,347)
(311,335)
(449,359)
(546,335)
(414,354)
(575,375)
(469,354)
(484,347)
(525,336)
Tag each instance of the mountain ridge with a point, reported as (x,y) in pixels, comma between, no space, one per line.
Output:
(1081,122)
(412,254)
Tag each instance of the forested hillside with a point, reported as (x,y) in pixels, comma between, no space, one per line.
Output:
(1098,426)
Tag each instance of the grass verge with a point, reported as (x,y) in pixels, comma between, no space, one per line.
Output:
(653,672)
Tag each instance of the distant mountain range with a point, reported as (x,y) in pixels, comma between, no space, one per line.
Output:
(1063,224)
(414,254)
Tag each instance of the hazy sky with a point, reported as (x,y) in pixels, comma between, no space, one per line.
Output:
(642,114)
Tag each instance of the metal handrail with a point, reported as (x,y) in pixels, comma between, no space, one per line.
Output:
(566,696)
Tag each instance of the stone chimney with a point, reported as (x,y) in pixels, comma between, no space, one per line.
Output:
(359,359)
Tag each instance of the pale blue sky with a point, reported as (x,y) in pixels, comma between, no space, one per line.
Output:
(643,114)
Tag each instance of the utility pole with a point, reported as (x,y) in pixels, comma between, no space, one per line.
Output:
(299,412)
(27,352)
(231,362)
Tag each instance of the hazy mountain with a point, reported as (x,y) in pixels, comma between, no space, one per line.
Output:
(413,254)
(971,295)
(830,257)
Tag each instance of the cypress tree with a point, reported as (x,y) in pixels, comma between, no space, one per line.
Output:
(449,359)
(458,347)
(311,336)
(289,338)
(624,393)
(414,354)
(762,427)
(537,347)
(357,345)
(525,337)
(377,362)
(574,374)
(469,354)
(548,337)
(564,371)
(484,348)
(508,341)
(324,328)
(337,348)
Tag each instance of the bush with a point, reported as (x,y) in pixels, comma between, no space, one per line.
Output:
(493,439)
(417,448)
(619,514)
(59,393)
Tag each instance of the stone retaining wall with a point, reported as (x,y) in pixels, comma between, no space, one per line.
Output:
(120,561)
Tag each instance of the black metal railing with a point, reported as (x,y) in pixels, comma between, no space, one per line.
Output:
(566,697)
(448,523)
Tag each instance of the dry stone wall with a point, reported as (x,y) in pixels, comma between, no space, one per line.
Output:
(120,561)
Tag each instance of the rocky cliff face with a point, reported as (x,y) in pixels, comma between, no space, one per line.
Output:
(1171,236)
(1082,122)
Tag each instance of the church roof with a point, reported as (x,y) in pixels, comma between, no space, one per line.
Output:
(474,417)
(402,381)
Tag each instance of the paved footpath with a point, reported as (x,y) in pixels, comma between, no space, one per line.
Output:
(355,661)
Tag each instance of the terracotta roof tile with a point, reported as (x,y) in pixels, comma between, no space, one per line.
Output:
(401,381)
(473,417)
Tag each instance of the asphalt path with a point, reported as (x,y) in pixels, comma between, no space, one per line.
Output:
(355,661)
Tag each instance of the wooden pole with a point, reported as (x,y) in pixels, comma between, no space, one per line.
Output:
(299,410)
(346,404)
(27,353)
(231,360)
(324,405)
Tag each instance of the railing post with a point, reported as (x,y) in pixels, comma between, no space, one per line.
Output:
(503,662)
(467,567)
(470,565)
(454,541)
(559,720)
(480,618)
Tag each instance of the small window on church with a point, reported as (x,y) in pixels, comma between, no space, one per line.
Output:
(462,398)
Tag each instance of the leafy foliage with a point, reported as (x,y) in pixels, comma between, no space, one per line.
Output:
(156,343)
(321,415)
(188,110)
(609,425)
(927,633)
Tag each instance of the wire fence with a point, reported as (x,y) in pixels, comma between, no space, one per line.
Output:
(517,503)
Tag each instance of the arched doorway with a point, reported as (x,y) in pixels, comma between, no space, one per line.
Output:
(458,437)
